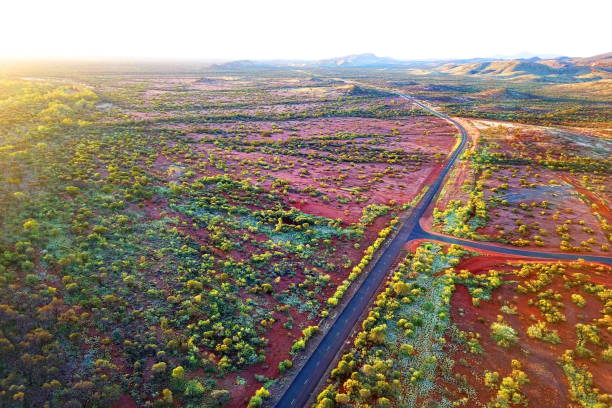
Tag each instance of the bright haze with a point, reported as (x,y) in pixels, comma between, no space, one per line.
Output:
(270,29)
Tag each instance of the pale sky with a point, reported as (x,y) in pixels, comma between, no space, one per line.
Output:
(313,29)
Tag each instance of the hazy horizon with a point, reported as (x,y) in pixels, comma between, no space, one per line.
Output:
(162,59)
(189,30)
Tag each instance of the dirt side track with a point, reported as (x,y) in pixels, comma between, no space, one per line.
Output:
(305,382)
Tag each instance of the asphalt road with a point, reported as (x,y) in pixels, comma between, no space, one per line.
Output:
(419,233)
(304,384)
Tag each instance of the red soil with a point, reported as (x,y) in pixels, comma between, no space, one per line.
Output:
(125,401)
(563,198)
(538,359)
(279,344)
(426,137)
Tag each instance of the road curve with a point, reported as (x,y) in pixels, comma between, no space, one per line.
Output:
(306,381)
(419,233)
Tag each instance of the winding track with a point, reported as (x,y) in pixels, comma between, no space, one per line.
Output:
(306,381)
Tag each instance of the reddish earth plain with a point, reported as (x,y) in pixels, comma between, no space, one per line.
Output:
(321,148)
(534,188)
(540,360)
(178,240)
(490,331)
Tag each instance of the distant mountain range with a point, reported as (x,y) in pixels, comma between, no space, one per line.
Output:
(535,68)
(360,60)
(557,69)
(349,61)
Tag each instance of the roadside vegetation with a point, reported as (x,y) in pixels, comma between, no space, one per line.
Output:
(158,250)
(400,347)
(443,334)
(177,239)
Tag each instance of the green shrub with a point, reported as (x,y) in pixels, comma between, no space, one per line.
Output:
(503,334)
(607,354)
(257,399)
(540,331)
(255,402)
(220,397)
(285,365)
(194,389)
(178,373)
(407,349)
(159,368)
(578,300)
(298,345)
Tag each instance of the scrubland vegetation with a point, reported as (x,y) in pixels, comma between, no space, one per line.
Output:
(532,187)
(184,240)
(495,334)
(399,348)
(165,243)
(537,169)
